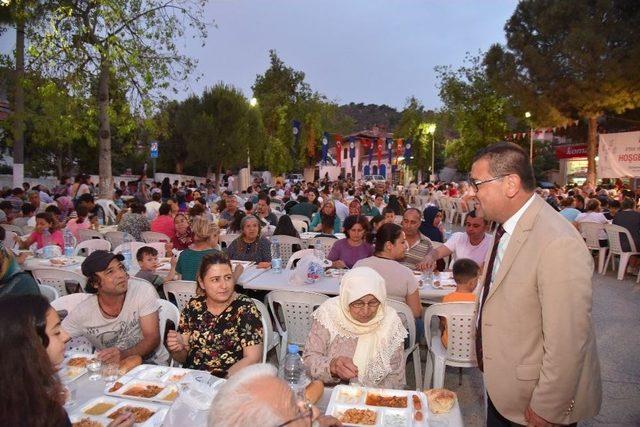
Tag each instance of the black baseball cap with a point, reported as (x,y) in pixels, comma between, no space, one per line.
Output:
(98,261)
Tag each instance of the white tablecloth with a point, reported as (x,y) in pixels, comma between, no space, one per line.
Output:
(270,281)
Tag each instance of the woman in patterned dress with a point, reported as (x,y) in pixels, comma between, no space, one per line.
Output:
(220,331)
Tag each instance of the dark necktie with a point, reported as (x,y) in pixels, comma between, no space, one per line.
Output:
(485,292)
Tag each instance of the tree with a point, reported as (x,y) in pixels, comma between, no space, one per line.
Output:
(474,107)
(573,57)
(132,42)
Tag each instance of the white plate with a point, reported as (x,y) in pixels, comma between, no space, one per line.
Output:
(63,261)
(82,411)
(161,397)
(72,373)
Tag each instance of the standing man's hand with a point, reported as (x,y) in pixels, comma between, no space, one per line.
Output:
(535,420)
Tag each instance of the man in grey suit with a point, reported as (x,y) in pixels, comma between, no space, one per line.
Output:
(535,338)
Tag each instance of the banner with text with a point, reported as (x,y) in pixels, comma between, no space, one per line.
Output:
(619,155)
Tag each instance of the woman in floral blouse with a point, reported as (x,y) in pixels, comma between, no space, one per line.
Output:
(221,331)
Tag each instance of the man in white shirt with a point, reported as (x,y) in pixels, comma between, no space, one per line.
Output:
(473,244)
(153,206)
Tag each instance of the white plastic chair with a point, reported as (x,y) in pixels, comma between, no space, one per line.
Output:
(226,239)
(66,304)
(296,256)
(460,351)
(154,236)
(271,338)
(92,245)
(590,232)
(406,315)
(55,278)
(49,292)
(134,247)
(89,234)
(615,248)
(9,239)
(286,245)
(115,237)
(182,291)
(296,310)
(301,226)
(167,311)
(110,210)
(302,218)
(327,243)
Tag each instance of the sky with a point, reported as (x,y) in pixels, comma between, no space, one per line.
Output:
(368,51)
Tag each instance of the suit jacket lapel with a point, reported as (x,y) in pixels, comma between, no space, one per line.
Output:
(516,241)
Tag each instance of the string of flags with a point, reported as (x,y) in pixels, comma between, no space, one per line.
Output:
(543,133)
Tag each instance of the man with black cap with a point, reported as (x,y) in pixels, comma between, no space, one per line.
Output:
(120,320)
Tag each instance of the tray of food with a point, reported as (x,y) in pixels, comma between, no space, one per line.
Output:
(159,373)
(149,391)
(363,406)
(245,264)
(101,411)
(64,261)
(74,366)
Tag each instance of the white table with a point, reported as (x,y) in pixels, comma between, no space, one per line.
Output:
(270,281)
(250,273)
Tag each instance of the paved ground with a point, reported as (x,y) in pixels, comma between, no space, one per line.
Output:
(616,316)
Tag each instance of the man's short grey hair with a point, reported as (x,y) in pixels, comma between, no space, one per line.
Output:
(236,406)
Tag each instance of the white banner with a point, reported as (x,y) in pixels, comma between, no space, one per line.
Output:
(619,155)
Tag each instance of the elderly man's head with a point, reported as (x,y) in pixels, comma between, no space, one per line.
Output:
(256,396)
(34,198)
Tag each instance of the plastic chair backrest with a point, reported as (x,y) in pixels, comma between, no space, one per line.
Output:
(590,233)
(613,232)
(300,225)
(302,218)
(461,327)
(296,309)
(49,292)
(134,247)
(10,227)
(55,278)
(267,328)
(154,236)
(327,243)
(167,311)
(92,245)
(286,245)
(115,237)
(87,234)
(296,256)
(406,315)
(9,239)
(182,291)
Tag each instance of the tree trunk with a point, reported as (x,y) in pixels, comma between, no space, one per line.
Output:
(591,151)
(104,161)
(18,125)
(59,162)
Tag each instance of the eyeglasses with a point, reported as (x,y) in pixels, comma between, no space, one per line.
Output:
(477,183)
(308,413)
(362,304)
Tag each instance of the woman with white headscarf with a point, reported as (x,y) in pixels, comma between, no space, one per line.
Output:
(356,336)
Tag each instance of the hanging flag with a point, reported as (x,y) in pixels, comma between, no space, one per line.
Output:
(296,130)
(339,150)
(379,150)
(370,144)
(407,151)
(325,146)
(352,149)
(399,146)
(390,150)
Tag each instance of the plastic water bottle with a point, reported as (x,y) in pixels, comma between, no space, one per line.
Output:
(318,251)
(293,368)
(276,258)
(68,242)
(126,253)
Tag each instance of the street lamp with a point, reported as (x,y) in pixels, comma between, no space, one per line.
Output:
(431,130)
(527,115)
(253,102)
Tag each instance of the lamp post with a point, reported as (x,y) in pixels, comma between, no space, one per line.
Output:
(253,102)
(431,130)
(527,115)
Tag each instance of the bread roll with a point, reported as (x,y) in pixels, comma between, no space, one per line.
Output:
(129,363)
(440,400)
(314,391)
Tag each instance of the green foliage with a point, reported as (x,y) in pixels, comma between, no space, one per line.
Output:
(475,109)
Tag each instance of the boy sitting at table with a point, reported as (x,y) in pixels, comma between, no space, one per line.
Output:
(465,274)
(147,257)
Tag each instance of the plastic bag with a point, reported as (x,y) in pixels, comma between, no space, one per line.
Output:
(309,270)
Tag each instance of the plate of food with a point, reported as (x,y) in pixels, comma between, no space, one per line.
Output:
(245,264)
(145,414)
(64,261)
(150,391)
(75,365)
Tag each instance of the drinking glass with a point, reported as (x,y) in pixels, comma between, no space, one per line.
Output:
(110,371)
(94,366)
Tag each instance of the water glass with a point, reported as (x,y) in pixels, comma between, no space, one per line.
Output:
(110,371)
(69,394)
(94,367)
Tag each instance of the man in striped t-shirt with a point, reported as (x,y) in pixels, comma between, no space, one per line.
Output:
(419,245)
